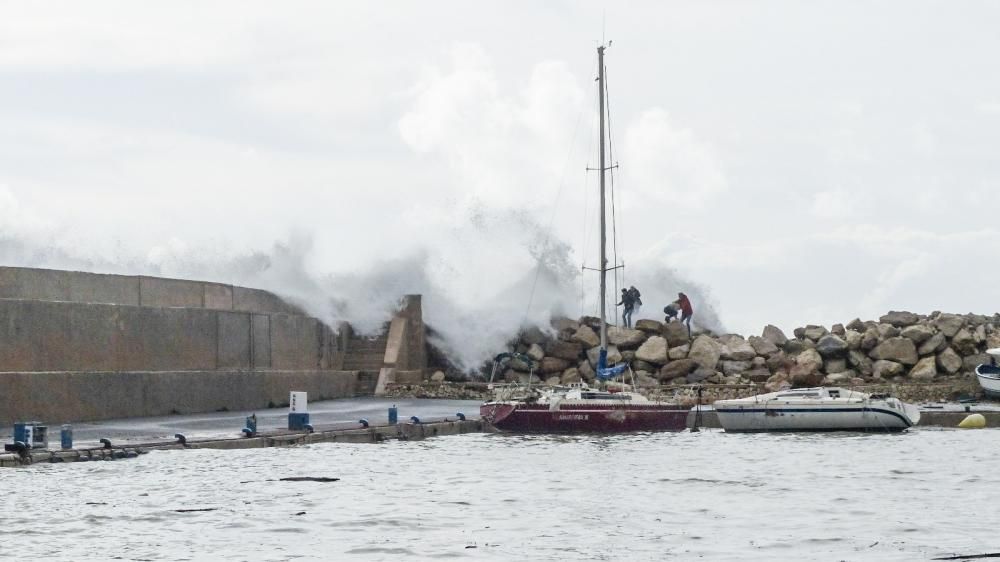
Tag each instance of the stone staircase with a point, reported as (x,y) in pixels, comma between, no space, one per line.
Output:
(365,354)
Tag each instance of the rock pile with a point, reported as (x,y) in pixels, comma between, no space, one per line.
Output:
(900,346)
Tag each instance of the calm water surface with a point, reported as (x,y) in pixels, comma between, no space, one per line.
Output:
(673,496)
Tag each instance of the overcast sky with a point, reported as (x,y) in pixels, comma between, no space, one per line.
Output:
(795,162)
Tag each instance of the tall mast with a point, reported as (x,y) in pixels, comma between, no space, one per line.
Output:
(602,361)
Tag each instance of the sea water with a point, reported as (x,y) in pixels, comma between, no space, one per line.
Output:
(709,495)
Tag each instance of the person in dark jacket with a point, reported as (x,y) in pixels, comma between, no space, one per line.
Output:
(687,311)
(629,303)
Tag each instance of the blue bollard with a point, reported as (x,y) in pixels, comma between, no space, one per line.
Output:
(393,415)
(414,419)
(364,423)
(250,425)
(66,436)
(460,416)
(298,420)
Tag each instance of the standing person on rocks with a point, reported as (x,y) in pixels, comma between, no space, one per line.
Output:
(687,311)
(629,303)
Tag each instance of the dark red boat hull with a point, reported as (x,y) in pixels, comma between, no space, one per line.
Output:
(534,418)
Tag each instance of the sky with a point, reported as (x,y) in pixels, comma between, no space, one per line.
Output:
(782,162)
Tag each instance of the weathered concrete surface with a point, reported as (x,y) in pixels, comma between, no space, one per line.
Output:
(60,397)
(374,434)
(53,336)
(26,283)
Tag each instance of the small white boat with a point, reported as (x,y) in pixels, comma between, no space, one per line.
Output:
(989,374)
(816,409)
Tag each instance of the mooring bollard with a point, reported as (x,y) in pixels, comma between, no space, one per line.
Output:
(250,425)
(66,436)
(393,415)
(364,423)
(414,419)
(460,416)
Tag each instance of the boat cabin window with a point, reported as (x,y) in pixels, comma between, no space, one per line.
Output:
(834,393)
(799,395)
(604,396)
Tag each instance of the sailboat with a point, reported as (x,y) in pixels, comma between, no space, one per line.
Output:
(578,407)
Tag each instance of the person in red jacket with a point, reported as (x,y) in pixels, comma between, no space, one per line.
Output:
(687,311)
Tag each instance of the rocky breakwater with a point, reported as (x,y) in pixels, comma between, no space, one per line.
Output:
(900,347)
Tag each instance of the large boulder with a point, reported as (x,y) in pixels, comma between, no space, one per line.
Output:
(626,338)
(614,356)
(842,377)
(897,349)
(934,344)
(857,325)
(853,339)
(795,347)
(835,365)
(949,361)
(553,380)
(549,365)
(970,363)
(643,379)
(648,325)
(679,352)
(778,381)
(675,369)
(640,365)
(570,375)
(779,362)
(803,376)
(838,329)
(675,333)
(900,319)
(860,362)
(533,334)
(883,369)
(811,359)
(814,332)
(586,336)
(870,339)
(774,335)
(762,346)
(730,367)
(654,351)
(564,350)
(886,331)
(949,324)
(924,370)
(831,346)
(700,374)
(758,375)
(535,352)
(705,351)
(586,371)
(563,324)
(735,348)
(919,333)
(963,342)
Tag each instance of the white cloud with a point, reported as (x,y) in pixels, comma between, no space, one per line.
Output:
(669,165)
(834,204)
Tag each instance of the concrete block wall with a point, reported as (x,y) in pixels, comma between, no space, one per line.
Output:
(26,283)
(63,397)
(58,336)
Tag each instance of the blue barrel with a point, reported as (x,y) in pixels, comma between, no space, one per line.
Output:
(393,415)
(66,436)
(22,432)
(298,420)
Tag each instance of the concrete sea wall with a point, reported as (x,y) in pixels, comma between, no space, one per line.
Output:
(78,346)
(59,397)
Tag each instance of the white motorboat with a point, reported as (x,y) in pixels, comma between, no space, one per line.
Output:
(989,374)
(816,409)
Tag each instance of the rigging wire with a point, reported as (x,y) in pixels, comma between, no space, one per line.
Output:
(614,213)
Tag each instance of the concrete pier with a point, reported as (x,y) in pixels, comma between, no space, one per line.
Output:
(372,434)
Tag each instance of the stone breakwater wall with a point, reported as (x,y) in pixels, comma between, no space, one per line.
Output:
(898,348)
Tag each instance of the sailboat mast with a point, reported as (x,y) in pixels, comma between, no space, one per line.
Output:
(603,359)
